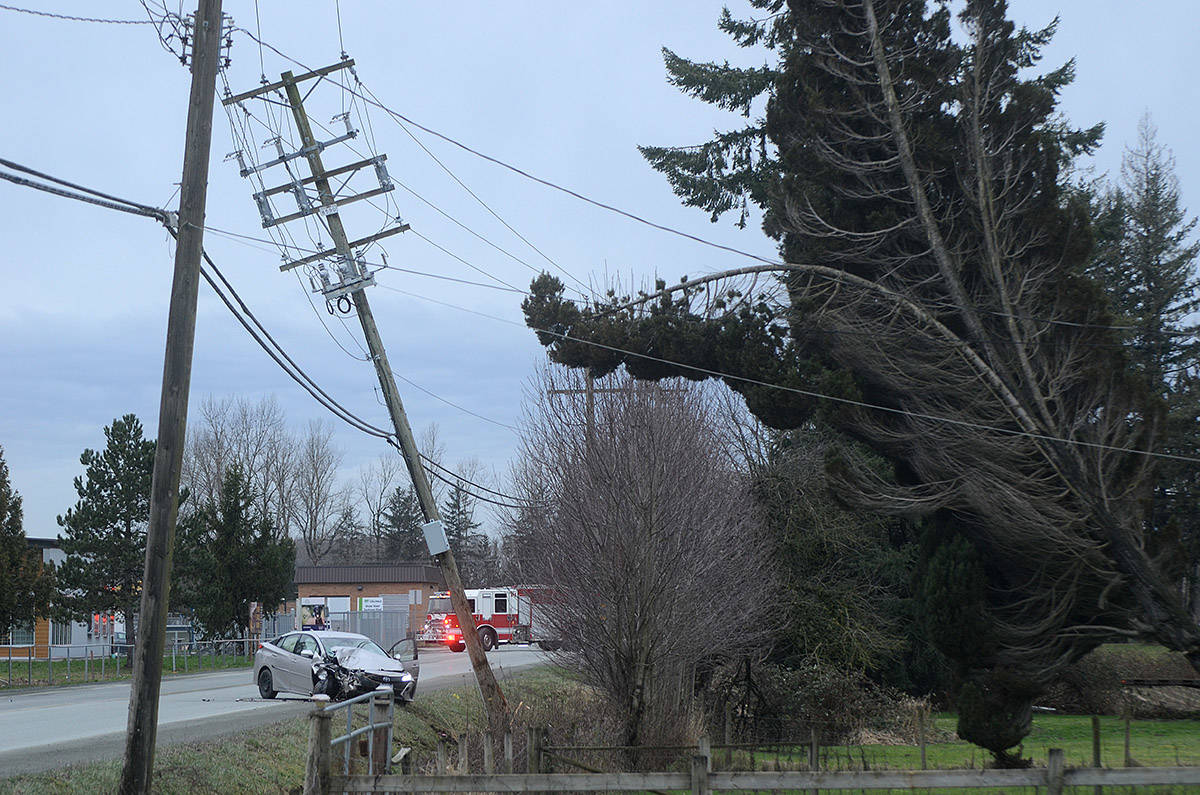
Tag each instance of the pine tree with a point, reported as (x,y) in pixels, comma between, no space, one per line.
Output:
(469,547)
(25,585)
(403,538)
(105,533)
(1146,256)
(933,283)
(229,556)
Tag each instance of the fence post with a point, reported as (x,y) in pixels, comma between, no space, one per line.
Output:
(320,754)
(705,749)
(728,735)
(1128,710)
(1055,767)
(382,743)
(814,755)
(921,732)
(50,663)
(1096,762)
(103,665)
(533,750)
(441,757)
(489,753)
(464,762)
(29,663)
(508,751)
(700,775)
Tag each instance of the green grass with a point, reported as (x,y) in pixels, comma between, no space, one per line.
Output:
(39,673)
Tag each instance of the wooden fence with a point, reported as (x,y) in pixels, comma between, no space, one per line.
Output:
(700,778)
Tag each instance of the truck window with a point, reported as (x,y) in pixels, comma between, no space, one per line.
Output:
(471,604)
(501,603)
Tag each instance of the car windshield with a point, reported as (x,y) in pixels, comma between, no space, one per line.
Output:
(440,604)
(333,644)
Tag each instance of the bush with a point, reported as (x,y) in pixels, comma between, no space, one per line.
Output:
(773,703)
(1092,686)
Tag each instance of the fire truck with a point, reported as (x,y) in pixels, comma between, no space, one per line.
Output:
(503,615)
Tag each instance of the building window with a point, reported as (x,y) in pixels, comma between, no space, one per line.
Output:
(21,636)
(60,633)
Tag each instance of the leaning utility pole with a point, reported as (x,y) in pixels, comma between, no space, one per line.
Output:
(172,411)
(350,278)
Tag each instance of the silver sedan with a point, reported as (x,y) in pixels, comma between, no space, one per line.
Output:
(339,664)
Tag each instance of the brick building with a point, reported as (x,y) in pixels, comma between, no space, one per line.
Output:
(322,590)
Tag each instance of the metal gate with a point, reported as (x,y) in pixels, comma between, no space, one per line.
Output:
(385,627)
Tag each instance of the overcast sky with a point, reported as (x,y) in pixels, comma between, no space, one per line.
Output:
(566,91)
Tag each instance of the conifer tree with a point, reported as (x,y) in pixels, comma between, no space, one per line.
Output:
(932,302)
(1146,256)
(229,555)
(403,537)
(470,547)
(25,584)
(104,535)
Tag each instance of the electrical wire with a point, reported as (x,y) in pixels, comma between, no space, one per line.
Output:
(806,392)
(242,313)
(400,117)
(53,15)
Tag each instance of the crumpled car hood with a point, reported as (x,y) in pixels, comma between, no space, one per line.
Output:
(368,661)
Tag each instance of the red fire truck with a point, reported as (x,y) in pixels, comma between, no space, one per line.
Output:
(503,615)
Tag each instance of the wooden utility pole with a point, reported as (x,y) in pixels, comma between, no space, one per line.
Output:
(493,697)
(172,412)
(589,392)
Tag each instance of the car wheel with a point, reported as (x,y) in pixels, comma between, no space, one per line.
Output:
(457,646)
(265,685)
(487,638)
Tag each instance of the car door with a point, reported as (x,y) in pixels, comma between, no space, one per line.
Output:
(405,651)
(276,656)
(300,670)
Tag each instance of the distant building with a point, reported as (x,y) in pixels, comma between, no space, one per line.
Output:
(46,637)
(332,591)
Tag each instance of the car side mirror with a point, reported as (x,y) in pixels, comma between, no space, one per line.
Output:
(405,650)
(309,653)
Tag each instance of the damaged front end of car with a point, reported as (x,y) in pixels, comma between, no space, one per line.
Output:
(348,673)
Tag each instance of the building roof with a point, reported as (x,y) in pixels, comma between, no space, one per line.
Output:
(412,572)
(43,543)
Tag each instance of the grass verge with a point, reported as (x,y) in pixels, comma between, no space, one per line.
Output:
(23,673)
(270,759)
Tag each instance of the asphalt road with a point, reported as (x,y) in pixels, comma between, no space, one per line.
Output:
(51,727)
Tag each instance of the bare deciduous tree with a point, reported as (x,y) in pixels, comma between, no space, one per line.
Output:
(252,435)
(322,510)
(646,537)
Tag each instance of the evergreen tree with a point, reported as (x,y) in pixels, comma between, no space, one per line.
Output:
(229,556)
(1146,258)
(25,585)
(933,267)
(105,533)
(403,538)
(470,548)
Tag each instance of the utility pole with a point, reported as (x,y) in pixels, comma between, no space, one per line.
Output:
(351,280)
(589,392)
(141,733)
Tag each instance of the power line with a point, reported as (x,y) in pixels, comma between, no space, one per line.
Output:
(241,312)
(400,117)
(71,18)
(805,392)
